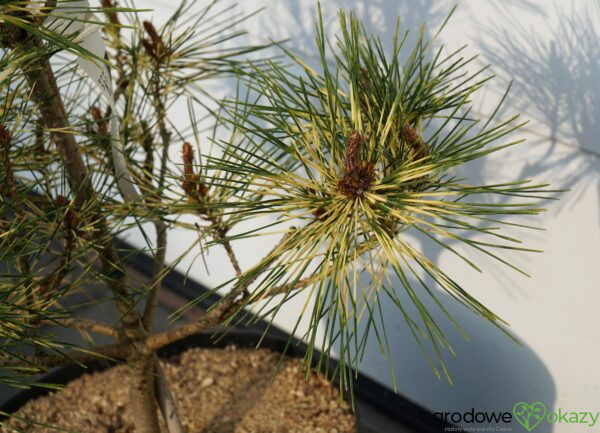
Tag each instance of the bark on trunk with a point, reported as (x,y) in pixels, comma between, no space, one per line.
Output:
(165,400)
(142,396)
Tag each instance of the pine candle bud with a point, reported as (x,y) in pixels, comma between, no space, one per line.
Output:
(112,15)
(359,174)
(99,119)
(153,46)
(192,184)
(415,141)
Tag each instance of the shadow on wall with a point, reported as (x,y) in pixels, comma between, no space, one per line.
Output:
(557,85)
(379,17)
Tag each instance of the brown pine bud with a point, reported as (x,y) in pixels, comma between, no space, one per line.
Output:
(415,141)
(355,140)
(112,15)
(359,174)
(153,46)
(151,30)
(148,47)
(188,159)
(100,120)
(193,186)
(410,135)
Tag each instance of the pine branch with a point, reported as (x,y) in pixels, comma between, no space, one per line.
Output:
(80,355)
(158,273)
(46,95)
(230,304)
(156,45)
(85,325)
(197,192)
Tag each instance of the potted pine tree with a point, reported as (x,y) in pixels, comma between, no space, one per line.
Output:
(339,158)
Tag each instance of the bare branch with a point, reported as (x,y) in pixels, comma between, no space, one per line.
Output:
(157,274)
(85,325)
(81,355)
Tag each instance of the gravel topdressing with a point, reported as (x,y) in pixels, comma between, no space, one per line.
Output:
(217,391)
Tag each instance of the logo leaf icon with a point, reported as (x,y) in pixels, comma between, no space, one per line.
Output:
(523,414)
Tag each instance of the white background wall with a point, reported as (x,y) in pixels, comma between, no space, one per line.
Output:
(552,53)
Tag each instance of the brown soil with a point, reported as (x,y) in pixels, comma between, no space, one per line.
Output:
(217,391)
